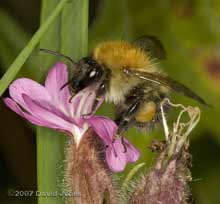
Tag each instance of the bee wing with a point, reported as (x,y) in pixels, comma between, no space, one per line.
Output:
(166,81)
(151,45)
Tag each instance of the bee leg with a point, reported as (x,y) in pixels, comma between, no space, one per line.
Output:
(71,97)
(116,136)
(123,143)
(100,92)
(126,119)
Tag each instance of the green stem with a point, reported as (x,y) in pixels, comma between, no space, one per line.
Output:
(70,36)
(49,143)
(131,174)
(22,57)
(171,145)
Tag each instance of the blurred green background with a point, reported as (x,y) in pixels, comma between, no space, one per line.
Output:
(190,32)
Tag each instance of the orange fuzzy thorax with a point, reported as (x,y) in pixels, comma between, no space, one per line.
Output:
(120,54)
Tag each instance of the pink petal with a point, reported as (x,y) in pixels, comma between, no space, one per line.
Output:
(34,120)
(49,106)
(104,127)
(132,154)
(115,162)
(116,156)
(15,107)
(79,104)
(83,102)
(89,103)
(44,114)
(56,78)
(29,87)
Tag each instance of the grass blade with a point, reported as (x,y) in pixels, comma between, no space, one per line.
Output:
(24,54)
(10,46)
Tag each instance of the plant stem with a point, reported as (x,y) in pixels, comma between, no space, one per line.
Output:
(49,143)
(131,174)
(70,36)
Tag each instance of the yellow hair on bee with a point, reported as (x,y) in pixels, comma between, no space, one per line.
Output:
(116,55)
(146,113)
(120,54)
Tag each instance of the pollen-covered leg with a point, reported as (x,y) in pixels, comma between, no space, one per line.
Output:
(147,112)
(149,116)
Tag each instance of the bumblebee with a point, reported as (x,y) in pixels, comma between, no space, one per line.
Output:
(130,78)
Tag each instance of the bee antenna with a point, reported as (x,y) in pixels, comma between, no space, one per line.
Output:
(59,55)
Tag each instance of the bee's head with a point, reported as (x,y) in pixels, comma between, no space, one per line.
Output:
(87,72)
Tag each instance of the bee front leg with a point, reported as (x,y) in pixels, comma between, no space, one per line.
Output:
(99,93)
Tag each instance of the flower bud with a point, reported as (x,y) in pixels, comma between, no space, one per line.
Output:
(167,182)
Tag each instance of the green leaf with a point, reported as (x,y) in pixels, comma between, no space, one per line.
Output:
(10,46)
(70,34)
(74,31)
(50,155)
(10,27)
(49,143)
(51,40)
(24,54)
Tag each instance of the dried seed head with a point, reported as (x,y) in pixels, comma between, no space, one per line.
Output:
(87,174)
(164,185)
(167,182)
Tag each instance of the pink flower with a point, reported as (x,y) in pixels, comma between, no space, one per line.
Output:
(49,106)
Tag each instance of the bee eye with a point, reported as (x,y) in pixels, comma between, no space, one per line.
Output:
(92,73)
